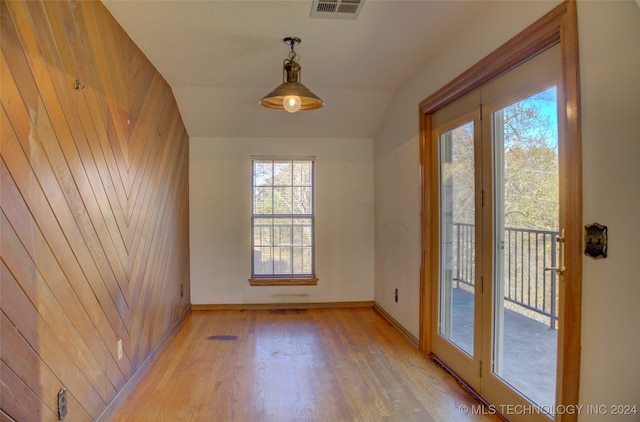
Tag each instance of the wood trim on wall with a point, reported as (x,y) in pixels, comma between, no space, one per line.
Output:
(558,26)
(283,281)
(269,306)
(131,384)
(94,209)
(412,339)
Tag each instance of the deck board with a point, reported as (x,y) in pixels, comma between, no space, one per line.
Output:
(530,348)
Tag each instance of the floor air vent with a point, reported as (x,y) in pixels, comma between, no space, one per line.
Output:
(336,9)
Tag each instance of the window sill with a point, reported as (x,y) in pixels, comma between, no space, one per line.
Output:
(283,281)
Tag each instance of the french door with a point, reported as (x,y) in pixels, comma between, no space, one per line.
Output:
(496,298)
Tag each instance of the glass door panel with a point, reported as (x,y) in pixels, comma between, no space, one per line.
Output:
(494,206)
(457,237)
(526,212)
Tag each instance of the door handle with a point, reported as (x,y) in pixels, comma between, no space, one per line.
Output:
(559,269)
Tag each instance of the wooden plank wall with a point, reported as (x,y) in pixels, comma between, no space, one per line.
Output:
(94,209)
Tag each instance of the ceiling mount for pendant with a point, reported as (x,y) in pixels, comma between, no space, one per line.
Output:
(292,41)
(291,95)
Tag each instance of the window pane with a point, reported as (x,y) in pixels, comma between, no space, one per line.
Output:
(457,236)
(262,261)
(302,231)
(302,201)
(282,261)
(307,233)
(302,260)
(262,221)
(297,236)
(282,200)
(526,214)
(262,173)
(282,173)
(302,174)
(282,232)
(262,235)
(263,200)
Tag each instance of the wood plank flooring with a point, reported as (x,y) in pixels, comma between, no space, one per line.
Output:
(294,365)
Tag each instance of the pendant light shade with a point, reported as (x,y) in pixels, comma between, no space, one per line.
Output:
(291,95)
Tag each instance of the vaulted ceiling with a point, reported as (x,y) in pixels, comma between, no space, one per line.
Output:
(221,57)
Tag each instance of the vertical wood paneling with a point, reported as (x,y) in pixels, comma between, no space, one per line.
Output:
(94,208)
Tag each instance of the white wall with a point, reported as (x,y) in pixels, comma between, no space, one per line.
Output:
(609,33)
(397,165)
(220,197)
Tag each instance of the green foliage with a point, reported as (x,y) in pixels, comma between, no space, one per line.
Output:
(283,187)
(530,166)
(531,185)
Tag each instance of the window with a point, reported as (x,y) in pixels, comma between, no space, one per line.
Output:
(282,221)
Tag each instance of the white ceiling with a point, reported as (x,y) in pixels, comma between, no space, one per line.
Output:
(221,57)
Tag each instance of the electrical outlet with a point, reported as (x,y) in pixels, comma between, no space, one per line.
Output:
(119,349)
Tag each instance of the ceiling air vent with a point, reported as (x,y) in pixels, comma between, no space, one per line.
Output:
(336,9)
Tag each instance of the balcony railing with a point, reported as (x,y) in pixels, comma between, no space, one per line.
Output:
(526,252)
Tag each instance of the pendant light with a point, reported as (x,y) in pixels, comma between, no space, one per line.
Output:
(291,95)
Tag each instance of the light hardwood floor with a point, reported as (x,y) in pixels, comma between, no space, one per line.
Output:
(294,365)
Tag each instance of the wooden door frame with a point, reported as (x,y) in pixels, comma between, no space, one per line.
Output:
(559,26)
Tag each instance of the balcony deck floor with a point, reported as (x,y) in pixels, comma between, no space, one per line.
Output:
(530,348)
